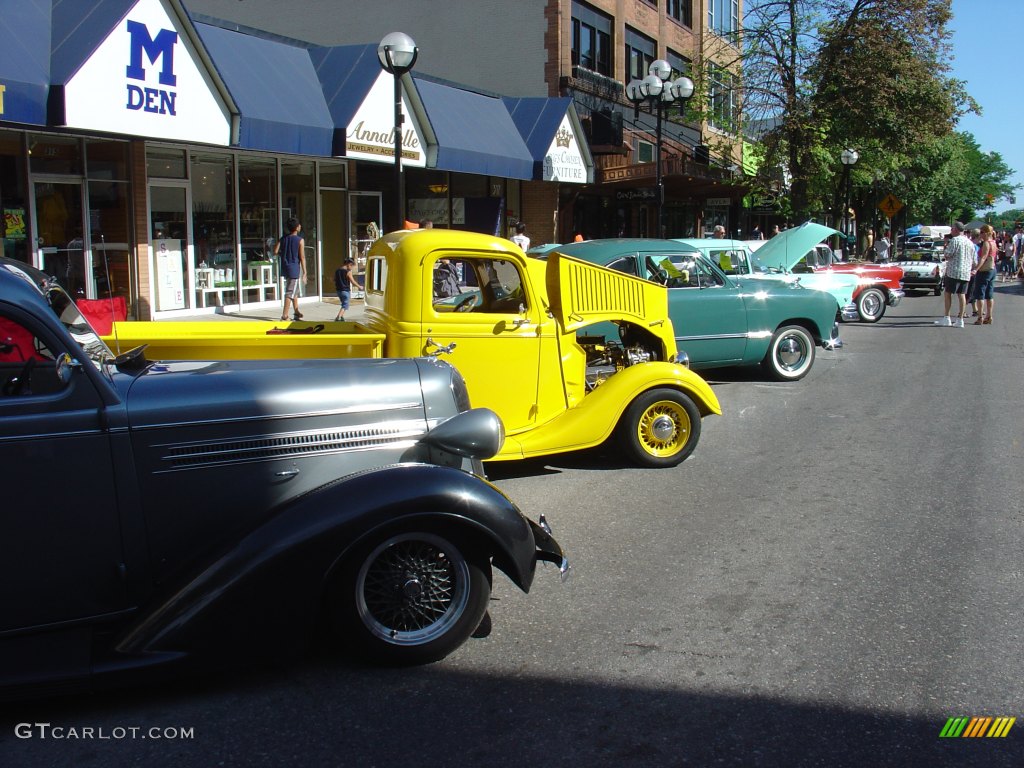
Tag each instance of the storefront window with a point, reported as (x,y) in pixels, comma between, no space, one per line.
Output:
(333,175)
(257,212)
(55,154)
(162,163)
(110,237)
(427,197)
(298,190)
(213,223)
(14,227)
(106,159)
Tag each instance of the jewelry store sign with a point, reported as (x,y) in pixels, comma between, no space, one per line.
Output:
(146,79)
(564,161)
(371,133)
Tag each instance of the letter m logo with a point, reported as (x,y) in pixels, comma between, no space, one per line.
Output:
(162,45)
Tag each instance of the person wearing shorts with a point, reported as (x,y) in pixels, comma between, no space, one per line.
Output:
(959,258)
(291,249)
(985,277)
(344,283)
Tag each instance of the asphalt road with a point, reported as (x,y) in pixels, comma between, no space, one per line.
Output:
(833,574)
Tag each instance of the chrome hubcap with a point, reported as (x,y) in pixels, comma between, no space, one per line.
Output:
(791,352)
(663,428)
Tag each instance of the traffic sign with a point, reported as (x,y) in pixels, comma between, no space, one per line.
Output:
(890,205)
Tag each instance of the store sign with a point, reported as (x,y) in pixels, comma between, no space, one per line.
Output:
(145,79)
(718,202)
(371,134)
(564,161)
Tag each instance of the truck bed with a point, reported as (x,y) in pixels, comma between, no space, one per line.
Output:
(248,340)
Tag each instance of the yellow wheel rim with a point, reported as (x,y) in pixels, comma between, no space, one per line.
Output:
(664,428)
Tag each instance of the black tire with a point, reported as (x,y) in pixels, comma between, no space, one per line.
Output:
(790,354)
(410,597)
(871,305)
(937,290)
(660,428)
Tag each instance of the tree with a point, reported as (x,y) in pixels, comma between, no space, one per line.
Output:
(869,74)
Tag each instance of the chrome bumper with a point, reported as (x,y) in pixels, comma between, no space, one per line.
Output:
(834,342)
(849,312)
(895,297)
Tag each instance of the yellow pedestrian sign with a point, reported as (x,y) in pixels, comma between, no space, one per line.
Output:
(890,206)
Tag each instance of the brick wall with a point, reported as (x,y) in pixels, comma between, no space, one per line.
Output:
(540,211)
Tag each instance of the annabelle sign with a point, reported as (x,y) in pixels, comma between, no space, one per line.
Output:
(564,161)
(145,79)
(371,133)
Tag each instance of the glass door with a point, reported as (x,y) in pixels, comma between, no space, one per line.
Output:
(60,221)
(365,224)
(169,238)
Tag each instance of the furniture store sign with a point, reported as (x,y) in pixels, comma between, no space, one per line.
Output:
(371,133)
(564,161)
(146,79)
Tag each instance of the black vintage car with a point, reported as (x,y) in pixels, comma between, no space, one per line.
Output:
(167,512)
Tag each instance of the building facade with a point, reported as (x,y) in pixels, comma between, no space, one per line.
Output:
(585,50)
(154,156)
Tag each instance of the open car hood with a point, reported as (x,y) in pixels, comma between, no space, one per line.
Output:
(784,250)
(582,294)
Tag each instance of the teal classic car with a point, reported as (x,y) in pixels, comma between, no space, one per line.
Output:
(725,320)
(775,260)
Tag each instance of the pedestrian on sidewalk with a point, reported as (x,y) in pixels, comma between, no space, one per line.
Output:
(292,249)
(344,282)
(959,259)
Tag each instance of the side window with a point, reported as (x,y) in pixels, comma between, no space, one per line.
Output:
(626,264)
(477,285)
(706,276)
(732,261)
(376,275)
(26,364)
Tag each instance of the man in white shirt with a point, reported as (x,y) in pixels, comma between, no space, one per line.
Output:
(882,247)
(520,238)
(959,258)
(1018,247)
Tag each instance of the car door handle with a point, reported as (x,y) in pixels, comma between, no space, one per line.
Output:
(287,473)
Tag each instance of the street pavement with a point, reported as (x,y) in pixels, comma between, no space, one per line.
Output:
(314,310)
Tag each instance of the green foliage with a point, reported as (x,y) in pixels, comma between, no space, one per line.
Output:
(872,75)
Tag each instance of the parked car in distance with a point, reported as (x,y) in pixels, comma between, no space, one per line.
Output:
(163,513)
(878,285)
(922,265)
(774,260)
(725,320)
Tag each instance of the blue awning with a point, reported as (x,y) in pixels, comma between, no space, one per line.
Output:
(25,62)
(538,120)
(275,88)
(346,73)
(475,133)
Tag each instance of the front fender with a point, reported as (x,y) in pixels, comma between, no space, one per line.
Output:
(592,421)
(269,584)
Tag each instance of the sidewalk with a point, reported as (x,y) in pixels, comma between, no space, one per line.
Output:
(318,311)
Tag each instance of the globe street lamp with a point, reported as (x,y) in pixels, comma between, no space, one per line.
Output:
(849,158)
(397,53)
(659,92)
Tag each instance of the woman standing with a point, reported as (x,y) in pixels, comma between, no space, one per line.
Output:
(1010,268)
(292,249)
(984,281)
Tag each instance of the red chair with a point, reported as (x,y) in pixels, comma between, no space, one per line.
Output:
(102,313)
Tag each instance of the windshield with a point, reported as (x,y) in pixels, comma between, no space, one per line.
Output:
(76,325)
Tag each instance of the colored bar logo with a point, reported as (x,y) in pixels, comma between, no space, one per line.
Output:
(977,727)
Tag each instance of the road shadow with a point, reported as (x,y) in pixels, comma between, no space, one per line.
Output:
(326,712)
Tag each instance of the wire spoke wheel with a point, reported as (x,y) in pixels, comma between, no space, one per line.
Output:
(660,428)
(412,589)
(664,428)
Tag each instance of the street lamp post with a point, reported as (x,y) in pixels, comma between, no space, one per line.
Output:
(397,53)
(660,93)
(849,158)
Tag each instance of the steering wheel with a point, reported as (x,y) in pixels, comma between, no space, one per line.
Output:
(467,304)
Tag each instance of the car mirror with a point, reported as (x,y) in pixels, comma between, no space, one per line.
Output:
(64,366)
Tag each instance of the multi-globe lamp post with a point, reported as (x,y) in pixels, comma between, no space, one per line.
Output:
(659,92)
(849,158)
(397,53)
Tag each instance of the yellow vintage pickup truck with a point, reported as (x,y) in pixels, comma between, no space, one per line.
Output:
(515,327)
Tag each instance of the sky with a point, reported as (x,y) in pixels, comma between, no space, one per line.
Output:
(987,55)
